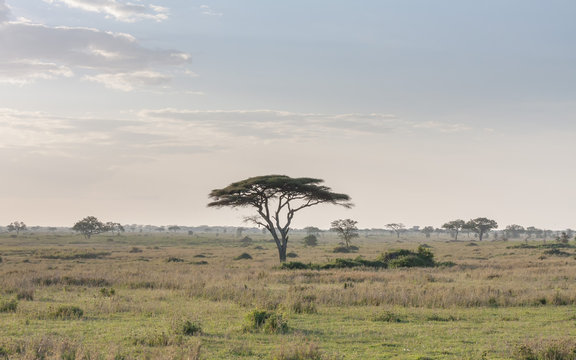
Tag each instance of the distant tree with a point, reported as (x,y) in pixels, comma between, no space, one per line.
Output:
(345,229)
(427,230)
(276,199)
(454,227)
(398,228)
(312,230)
(239,231)
(514,231)
(310,240)
(89,226)
(16,226)
(174,228)
(481,226)
(530,231)
(114,228)
(563,238)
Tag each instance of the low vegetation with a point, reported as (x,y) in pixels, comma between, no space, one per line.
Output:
(440,300)
(394,259)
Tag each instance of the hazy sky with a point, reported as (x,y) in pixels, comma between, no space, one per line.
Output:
(422,111)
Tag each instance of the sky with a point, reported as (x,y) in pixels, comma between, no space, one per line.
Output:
(422,111)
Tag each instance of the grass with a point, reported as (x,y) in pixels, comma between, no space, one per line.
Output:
(499,300)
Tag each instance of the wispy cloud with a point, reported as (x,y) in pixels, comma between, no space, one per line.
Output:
(34,51)
(130,81)
(154,132)
(207,10)
(121,11)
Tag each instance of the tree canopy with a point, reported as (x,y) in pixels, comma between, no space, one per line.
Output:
(481,226)
(345,229)
(454,227)
(89,226)
(276,199)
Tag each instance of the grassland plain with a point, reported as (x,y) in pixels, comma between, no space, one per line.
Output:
(175,296)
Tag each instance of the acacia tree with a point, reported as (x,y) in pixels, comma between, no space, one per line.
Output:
(89,226)
(276,199)
(481,226)
(396,227)
(16,226)
(455,226)
(345,229)
(514,231)
(428,230)
(115,227)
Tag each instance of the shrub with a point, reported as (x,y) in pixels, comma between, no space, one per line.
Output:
(243,256)
(174,259)
(389,316)
(267,321)
(107,292)
(308,351)
(275,324)
(310,240)
(246,240)
(345,250)
(547,350)
(188,328)
(295,265)
(8,306)
(292,255)
(25,294)
(67,312)
(135,250)
(556,252)
(436,317)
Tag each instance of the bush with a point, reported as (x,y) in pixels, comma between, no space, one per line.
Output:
(396,259)
(243,256)
(25,294)
(556,252)
(67,312)
(267,321)
(309,351)
(8,306)
(188,328)
(345,250)
(107,292)
(389,316)
(295,265)
(174,259)
(292,255)
(310,240)
(247,240)
(135,250)
(547,350)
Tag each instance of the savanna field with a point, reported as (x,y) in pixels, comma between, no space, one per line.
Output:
(209,296)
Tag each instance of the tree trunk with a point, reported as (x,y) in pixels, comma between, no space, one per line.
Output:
(282,251)
(480,235)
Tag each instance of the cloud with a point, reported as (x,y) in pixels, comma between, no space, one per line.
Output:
(130,81)
(150,133)
(207,10)
(293,126)
(121,11)
(34,51)
(4,12)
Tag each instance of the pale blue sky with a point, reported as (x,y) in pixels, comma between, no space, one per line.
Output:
(449,109)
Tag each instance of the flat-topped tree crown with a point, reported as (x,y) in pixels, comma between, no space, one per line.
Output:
(276,199)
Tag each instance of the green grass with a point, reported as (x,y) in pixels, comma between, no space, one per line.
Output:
(498,302)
